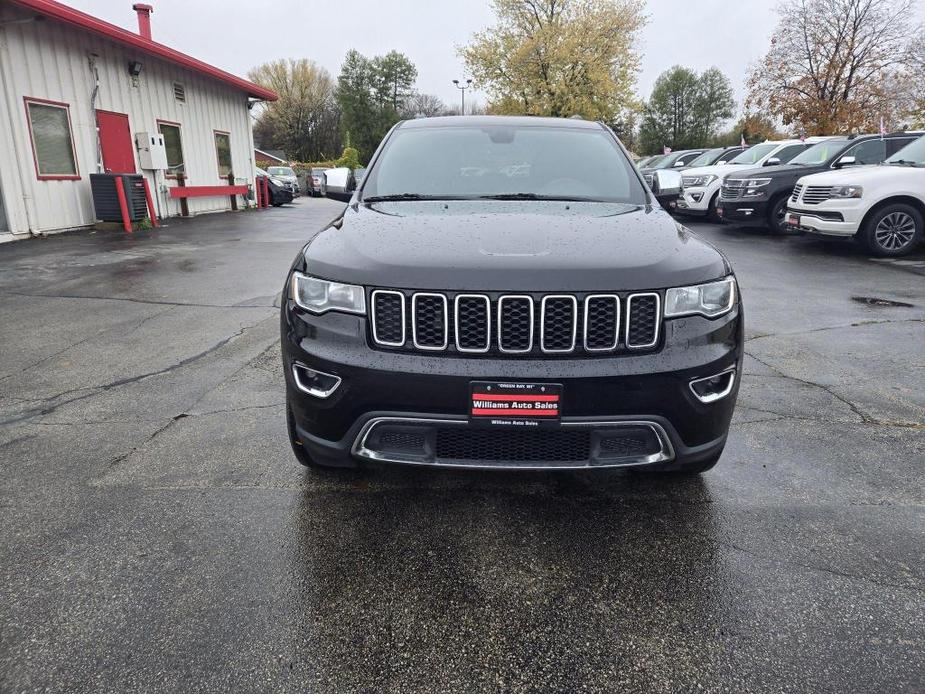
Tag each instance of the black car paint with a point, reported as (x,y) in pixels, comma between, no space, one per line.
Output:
(508,246)
(784,178)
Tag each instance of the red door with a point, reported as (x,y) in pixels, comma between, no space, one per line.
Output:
(116,142)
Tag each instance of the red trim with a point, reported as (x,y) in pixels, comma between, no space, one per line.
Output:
(494,397)
(35,159)
(218,164)
(123,204)
(179,126)
(152,215)
(514,414)
(206,191)
(69,15)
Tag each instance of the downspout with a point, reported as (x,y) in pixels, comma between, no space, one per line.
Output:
(93,95)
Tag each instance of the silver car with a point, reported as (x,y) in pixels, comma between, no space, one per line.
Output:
(285,173)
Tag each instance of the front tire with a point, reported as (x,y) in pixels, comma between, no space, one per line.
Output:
(892,230)
(777,216)
(712,216)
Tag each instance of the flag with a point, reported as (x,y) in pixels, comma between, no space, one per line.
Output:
(882,128)
(802,134)
(666,150)
(742,141)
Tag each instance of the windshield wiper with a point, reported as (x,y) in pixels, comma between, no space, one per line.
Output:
(903,162)
(535,196)
(402,196)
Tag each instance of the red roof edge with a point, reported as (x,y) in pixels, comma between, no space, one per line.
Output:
(68,15)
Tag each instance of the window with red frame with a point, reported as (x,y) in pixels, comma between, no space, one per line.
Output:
(52,140)
(223,153)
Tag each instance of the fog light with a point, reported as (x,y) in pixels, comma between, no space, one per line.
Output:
(713,388)
(697,196)
(316,383)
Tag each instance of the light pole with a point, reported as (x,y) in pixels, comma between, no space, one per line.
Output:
(463,88)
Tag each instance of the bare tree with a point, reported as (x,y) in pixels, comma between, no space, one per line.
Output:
(418,105)
(835,65)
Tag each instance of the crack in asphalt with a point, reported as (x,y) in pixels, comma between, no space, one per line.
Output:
(95,390)
(819,569)
(857,324)
(153,302)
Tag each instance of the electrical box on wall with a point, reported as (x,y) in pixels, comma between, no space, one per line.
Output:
(151,151)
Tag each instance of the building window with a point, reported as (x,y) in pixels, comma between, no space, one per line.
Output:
(223,153)
(52,140)
(174,146)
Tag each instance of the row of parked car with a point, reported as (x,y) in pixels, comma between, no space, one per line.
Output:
(337,182)
(867,187)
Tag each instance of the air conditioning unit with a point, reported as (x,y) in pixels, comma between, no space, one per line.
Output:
(106,198)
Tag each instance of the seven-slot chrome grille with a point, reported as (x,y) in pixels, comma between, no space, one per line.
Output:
(514,324)
(797,191)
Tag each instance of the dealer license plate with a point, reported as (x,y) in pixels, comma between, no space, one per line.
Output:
(515,404)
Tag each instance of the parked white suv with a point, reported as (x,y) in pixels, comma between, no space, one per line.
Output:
(701,185)
(882,206)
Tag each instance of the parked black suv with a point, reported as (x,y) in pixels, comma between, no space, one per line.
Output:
(501,292)
(758,197)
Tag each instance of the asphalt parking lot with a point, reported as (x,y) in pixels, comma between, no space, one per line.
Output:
(158,535)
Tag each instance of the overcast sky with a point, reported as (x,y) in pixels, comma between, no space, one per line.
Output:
(236,35)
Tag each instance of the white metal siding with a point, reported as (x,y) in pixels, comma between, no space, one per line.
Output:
(47,60)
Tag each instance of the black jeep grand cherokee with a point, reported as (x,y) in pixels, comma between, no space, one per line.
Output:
(503,293)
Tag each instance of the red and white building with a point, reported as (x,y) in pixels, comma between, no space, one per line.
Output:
(75,91)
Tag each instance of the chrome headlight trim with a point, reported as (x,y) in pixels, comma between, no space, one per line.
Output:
(690,300)
(326,295)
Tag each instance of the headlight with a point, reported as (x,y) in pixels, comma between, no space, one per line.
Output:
(755,182)
(710,300)
(847,192)
(318,296)
(698,181)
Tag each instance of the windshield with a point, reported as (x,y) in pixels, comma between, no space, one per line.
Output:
(912,154)
(654,161)
(504,160)
(707,158)
(281,171)
(820,153)
(754,154)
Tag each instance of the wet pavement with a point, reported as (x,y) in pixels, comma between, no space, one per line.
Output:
(156,533)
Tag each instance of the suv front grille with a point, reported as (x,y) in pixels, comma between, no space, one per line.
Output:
(813,195)
(798,189)
(526,324)
(732,189)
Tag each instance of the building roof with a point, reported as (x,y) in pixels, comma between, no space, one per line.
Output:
(276,154)
(72,17)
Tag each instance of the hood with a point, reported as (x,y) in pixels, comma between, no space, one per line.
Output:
(857,175)
(715,169)
(477,245)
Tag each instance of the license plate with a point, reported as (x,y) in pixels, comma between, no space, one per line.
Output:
(719,211)
(793,220)
(515,404)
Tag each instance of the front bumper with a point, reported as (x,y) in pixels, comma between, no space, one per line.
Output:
(600,394)
(696,201)
(743,212)
(824,219)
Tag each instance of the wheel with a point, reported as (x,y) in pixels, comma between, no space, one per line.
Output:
(711,210)
(892,230)
(296,444)
(777,216)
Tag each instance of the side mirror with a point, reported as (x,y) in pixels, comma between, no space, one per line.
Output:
(845,161)
(773,161)
(721,162)
(679,163)
(666,182)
